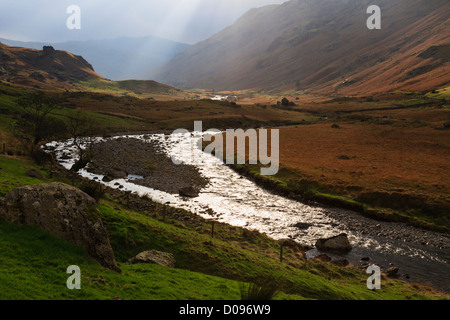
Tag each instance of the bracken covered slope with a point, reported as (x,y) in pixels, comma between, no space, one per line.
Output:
(324,46)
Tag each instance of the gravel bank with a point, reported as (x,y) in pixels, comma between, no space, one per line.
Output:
(145,159)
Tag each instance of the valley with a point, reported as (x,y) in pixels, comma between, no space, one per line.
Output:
(364,127)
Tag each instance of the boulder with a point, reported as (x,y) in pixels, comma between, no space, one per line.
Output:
(155,257)
(117,173)
(338,243)
(107,179)
(392,272)
(65,156)
(34,174)
(189,192)
(63,211)
(302,226)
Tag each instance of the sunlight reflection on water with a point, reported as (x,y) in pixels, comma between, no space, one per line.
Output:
(235,200)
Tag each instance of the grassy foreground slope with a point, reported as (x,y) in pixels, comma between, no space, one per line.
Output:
(34,263)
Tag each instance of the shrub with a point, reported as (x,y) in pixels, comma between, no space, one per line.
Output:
(261,288)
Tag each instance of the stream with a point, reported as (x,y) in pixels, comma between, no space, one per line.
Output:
(422,256)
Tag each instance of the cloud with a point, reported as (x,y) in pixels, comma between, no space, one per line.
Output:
(181,20)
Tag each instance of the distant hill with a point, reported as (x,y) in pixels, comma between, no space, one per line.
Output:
(323,46)
(117,59)
(46,68)
(56,69)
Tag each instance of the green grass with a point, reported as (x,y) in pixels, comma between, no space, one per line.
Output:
(130,87)
(34,263)
(12,174)
(34,266)
(100,123)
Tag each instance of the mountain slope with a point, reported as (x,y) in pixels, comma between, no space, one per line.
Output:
(325,46)
(118,59)
(46,68)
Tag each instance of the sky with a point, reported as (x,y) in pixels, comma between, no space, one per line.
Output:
(187,21)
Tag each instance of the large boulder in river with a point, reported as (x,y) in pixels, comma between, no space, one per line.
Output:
(189,192)
(338,243)
(63,211)
(117,173)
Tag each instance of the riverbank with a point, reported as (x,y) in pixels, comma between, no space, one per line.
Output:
(288,184)
(230,199)
(154,169)
(206,267)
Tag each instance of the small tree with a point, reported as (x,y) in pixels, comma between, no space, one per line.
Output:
(80,129)
(35,124)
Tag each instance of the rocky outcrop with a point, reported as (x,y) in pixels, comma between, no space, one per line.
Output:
(155,257)
(63,211)
(338,243)
(48,50)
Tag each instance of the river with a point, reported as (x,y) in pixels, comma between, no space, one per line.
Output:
(422,256)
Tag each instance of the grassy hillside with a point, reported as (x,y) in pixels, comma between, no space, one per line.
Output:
(34,263)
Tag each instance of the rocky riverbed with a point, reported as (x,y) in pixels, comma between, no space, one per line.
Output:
(146,163)
(397,231)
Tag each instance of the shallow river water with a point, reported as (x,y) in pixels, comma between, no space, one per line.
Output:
(422,255)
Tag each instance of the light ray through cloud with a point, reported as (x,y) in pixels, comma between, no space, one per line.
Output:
(187,21)
(181,14)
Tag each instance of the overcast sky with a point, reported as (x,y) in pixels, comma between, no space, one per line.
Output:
(186,21)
